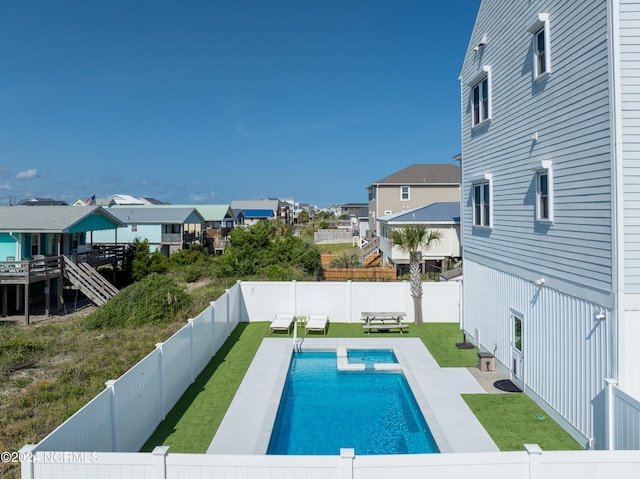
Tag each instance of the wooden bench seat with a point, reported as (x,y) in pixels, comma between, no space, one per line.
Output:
(385,326)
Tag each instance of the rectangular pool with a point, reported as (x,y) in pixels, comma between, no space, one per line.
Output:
(323,410)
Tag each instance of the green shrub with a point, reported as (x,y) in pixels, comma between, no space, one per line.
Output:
(155,299)
(192,274)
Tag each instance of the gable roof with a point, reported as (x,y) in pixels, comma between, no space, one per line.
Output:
(124,200)
(423,174)
(445,212)
(208,212)
(155,214)
(52,219)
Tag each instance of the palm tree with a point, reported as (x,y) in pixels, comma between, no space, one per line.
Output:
(410,239)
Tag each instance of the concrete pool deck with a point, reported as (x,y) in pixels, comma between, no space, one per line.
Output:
(246,427)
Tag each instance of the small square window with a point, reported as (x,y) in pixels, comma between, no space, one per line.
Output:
(134,228)
(404,193)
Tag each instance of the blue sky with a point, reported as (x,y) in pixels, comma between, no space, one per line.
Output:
(211,101)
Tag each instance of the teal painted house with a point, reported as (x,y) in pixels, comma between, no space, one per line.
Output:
(40,248)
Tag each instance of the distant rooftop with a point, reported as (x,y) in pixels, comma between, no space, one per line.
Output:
(445,212)
(423,174)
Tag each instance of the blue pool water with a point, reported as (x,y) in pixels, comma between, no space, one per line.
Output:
(323,410)
(369,357)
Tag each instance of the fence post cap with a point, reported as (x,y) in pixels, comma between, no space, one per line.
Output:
(347,453)
(533,449)
(160,451)
(110,383)
(159,345)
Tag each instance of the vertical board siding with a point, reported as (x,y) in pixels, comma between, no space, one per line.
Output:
(630,86)
(567,352)
(570,112)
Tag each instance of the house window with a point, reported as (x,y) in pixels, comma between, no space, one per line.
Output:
(541,46)
(372,194)
(482,199)
(35,244)
(404,193)
(544,192)
(481,97)
(134,228)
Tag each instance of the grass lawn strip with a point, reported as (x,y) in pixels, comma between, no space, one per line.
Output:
(513,420)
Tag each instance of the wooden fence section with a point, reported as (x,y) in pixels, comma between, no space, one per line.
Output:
(372,274)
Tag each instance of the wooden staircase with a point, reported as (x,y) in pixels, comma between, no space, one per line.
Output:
(88,281)
(372,260)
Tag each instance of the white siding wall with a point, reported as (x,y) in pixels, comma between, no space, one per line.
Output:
(629,59)
(570,112)
(567,351)
(630,87)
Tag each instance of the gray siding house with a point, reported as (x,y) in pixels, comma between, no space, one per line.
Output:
(550,106)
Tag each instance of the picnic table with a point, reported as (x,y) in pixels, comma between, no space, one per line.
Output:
(383,320)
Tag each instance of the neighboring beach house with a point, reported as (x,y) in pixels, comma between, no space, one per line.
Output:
(165,228)
(39,247)
(443,217)
(551,206)
(281,210)
(414,186)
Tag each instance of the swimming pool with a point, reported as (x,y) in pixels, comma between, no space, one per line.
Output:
(323,410)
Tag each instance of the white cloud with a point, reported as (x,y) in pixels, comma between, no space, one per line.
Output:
(205,197)
(27,175)
(5,186)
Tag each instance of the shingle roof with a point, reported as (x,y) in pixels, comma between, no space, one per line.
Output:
(446,212)
(47,219)
(153,214)
(423,174)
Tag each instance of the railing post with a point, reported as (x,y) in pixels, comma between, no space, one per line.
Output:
(161,379)
(611,428)
(26,467)
(160,461)
(534,452)
(114,432)
(347,456)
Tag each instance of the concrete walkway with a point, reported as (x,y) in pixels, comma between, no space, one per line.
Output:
(246,427)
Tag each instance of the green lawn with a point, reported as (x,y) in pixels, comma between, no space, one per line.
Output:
(514,419)
(510,419)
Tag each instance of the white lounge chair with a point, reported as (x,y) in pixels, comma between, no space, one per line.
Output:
(317,322)
(282,322)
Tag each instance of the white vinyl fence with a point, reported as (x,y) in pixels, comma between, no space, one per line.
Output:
(125,414)
(624,419)
(102,439)
(344,302)
(159,464)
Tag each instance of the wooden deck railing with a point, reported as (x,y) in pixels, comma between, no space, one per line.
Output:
(46,267)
